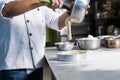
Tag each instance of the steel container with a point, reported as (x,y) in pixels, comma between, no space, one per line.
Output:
(89,43)
(112,42)
(64,46)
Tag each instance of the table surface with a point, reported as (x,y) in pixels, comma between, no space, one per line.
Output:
(100,64)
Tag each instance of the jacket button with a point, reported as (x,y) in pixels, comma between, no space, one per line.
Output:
(27,20)
(38,9)
(31,48)
(30,34)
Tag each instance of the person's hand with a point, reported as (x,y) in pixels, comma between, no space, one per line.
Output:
(88,6)
(68,6)
(57,3)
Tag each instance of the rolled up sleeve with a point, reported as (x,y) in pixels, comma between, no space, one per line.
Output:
(52,19)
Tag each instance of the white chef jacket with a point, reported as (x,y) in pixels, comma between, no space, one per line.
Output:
(22,38)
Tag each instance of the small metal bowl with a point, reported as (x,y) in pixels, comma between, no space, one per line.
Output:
(64,46)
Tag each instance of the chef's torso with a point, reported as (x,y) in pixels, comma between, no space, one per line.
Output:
(22,38)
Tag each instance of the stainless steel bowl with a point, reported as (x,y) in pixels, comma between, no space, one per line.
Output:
(112,42)
(104,37)
(89,43)
(64,46)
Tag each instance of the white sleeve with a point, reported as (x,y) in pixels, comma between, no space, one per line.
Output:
(52,18)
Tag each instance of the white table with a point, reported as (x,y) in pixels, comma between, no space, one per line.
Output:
(100,64)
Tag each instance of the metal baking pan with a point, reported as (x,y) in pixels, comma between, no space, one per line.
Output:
(73,55)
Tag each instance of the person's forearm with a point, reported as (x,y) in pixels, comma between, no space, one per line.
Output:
(18,7)
(62,20)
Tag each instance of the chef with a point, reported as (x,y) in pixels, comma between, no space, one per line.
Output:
(23,34)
